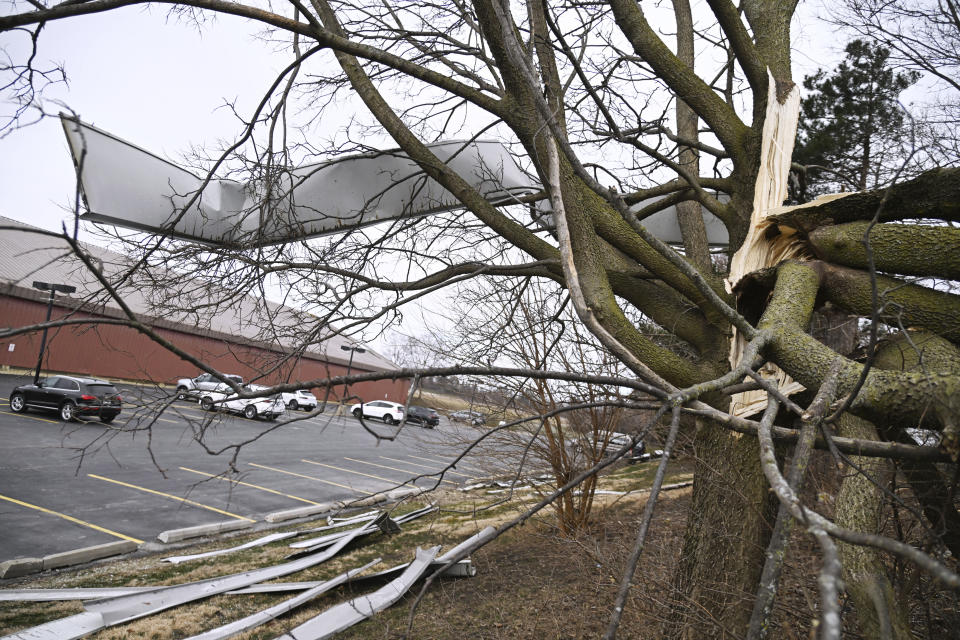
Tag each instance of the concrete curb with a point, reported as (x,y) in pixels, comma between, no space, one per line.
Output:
(176,535)
(88,554)
(400,494)
(303,512)
(26,566)
(20,567)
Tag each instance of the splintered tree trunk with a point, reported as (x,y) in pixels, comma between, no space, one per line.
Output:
(732,510)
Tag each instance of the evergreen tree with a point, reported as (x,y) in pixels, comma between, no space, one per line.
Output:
(851,135)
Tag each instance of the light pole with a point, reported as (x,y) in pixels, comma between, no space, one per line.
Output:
(352,350)
(52,288)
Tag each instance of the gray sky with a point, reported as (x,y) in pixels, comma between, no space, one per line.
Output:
(134,73)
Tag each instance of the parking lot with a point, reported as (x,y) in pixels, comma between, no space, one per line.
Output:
(70,485)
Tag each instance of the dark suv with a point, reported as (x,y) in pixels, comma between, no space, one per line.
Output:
(71,397)
(422,415)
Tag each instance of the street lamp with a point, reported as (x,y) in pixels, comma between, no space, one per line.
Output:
(352,350)
(52,288)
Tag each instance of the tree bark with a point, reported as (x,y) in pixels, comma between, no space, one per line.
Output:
(914,250)
(729,525)
(858,506)
(933,194)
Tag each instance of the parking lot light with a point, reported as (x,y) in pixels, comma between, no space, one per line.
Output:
(352,350)
(52,288)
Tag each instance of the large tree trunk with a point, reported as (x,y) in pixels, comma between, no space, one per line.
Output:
(732,514)
(728,528)
(858,506)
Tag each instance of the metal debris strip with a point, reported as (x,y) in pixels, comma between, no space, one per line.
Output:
(127,186)
(313,544)
(262,617)
(332,520)
(76,593)
(461,569)
(111,611)
(347,614)
(259,542)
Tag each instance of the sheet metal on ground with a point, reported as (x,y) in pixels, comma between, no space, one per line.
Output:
(105,613)
(347,614)
(462,568)
(262,617)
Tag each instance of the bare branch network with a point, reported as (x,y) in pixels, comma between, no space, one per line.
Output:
(649,268)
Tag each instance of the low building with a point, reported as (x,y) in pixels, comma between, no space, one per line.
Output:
(259,340)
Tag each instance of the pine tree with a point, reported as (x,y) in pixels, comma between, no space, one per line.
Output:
(851,135)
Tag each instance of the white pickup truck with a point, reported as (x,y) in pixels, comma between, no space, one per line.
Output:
(194,387)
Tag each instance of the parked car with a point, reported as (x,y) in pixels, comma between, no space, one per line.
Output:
(425,416)
(473,417)
(389,412)
(613,440)
(299,399)
(70,396)
(194,387)
(224,399)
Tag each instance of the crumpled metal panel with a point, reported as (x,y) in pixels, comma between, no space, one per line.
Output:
(347,614)
(111,611)
(318,543)
(130,187)
(269,614)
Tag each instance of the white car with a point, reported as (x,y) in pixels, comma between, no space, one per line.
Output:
(270,407)
(389,412)
(195,387)
(299,399)
(613,440)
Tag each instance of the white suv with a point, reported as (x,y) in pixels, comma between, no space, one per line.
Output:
(300,399)
(389,412)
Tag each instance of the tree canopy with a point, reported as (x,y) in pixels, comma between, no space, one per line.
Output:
(618,123)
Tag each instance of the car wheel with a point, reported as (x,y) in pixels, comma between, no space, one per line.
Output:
(181,393)
(250,412)
(68,411)
(293,406)
(309,409)
(356,413)
(206,404)
(17,403)
(107,419)
(389,419)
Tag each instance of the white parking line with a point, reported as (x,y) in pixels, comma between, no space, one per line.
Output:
(383,466)
(423,466)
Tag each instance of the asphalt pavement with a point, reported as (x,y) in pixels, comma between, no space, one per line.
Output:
(166,464)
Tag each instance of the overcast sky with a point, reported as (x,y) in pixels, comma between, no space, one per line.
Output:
(136,74)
